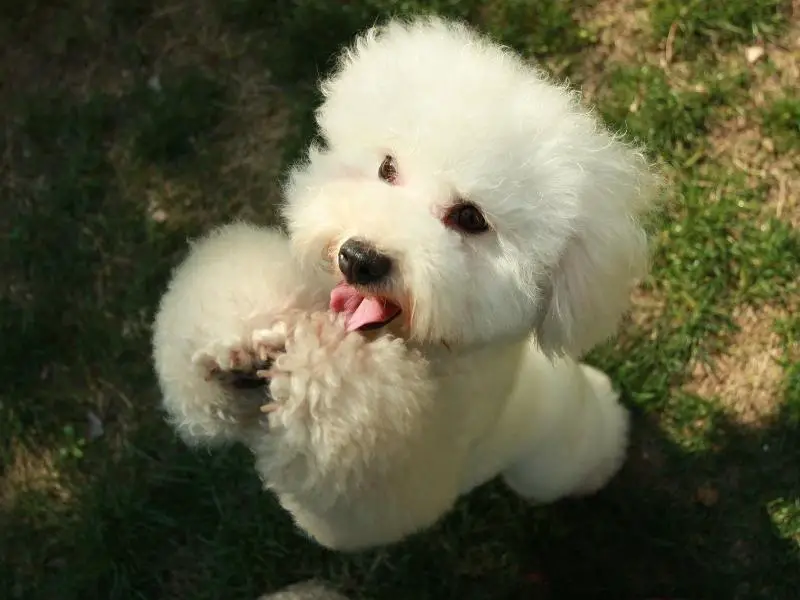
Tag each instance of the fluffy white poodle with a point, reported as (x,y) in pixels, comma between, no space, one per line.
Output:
(465,232)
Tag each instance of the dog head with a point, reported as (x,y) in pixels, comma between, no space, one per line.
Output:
(464,198)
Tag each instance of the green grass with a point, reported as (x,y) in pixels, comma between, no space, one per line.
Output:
(781,120)
(311,31)
(700,22)
(642,103)
(177,115)
(706,508)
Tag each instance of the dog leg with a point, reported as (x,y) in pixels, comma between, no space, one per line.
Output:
(610,425)
(563,433)
(354,448)
(234,280)
(218,394)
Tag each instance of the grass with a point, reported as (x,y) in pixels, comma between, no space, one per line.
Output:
(135,125)
(781,119)
(721,23)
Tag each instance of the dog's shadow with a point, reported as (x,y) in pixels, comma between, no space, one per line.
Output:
(163,521)
(676,523)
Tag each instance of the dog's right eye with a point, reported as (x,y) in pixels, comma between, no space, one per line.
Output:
(388,170)
(467,218)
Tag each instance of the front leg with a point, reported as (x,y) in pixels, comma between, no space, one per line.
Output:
(234,280)
(217,397)
(238,367)
(358,450)
(232,395)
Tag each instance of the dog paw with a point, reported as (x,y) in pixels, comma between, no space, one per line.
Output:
(268,343)
(233,363)
(227,355)
(315,374)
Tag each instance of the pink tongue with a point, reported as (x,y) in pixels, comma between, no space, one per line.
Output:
(359,310)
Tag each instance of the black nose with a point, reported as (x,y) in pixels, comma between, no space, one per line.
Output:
(361,263)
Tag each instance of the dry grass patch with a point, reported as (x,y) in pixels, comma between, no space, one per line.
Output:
(260,121)
(747,377)
(783,167)
(782,59)
(54,46)
(257,116)
(624,37)
(618,25)
(28,471)
(245,181)
(622,31)
(241,180)
(647,307)
(741,143)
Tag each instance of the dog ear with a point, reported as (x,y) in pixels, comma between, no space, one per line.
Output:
(588,290)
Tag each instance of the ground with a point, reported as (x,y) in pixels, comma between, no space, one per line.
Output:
(132,125)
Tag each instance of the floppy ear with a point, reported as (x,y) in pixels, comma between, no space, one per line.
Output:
(589,288)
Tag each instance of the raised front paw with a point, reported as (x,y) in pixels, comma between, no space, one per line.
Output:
(267,344)
(235,363)
(321,372)
(344,408)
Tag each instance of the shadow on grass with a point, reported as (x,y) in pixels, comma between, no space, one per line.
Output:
(159,521)
(144,517)
(300,41)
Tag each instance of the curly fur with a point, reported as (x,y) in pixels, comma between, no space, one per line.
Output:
(307,590)
(370,437)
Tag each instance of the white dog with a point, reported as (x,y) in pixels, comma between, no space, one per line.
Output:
(466,231)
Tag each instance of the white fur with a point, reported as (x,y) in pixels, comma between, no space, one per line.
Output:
(376,435)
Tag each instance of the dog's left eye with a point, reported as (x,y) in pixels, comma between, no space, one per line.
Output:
(388,170)
(466,217)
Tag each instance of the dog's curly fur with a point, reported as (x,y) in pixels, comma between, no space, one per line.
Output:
(367,437)
(307,590)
